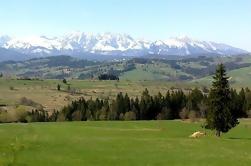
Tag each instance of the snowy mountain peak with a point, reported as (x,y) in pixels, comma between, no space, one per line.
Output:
(79,43)
(4,39)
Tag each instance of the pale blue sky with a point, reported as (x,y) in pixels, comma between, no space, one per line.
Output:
(227,21)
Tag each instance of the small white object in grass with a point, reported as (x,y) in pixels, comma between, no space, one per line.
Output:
(197,134)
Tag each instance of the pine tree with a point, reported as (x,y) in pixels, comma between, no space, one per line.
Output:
(58,87)
(64,81)
(243,102)
(220,117)
(194,99)
(177,103)
(127,103)
(145,104)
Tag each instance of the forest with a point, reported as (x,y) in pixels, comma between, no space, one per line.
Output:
(173,104)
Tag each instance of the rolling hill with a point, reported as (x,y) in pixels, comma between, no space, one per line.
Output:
(137,69)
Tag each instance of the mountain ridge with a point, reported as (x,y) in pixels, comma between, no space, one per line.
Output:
(77,43)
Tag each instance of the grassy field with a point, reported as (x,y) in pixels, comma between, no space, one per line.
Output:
(122,143)
(45,91)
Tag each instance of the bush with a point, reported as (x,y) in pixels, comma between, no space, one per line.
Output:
(103,114)
(21,114)
(76,116)
(121,116)
(64,81)
(61,117)
(58,87)
(249,113)
(29,102)
(5,117)
(165,114)
(18,114)
(108,77)
(192,116)
(184,114)
(130,116)
(38,116)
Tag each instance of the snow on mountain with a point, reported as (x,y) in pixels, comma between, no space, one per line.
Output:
(77,43)
(4,40)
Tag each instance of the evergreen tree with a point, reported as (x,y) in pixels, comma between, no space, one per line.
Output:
(177,103)
(220,116)
(248,98)
(135,107)
(113,114)
(64,81)
(243,102)
(58,87)
(127,103)
(194,99)
(146,103)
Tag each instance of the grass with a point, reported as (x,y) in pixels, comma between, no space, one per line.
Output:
(139,74)
(45,92)
(121,143)
(240,78)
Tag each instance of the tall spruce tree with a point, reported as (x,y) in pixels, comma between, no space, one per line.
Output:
(220,116)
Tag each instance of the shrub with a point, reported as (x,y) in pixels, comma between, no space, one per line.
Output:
(58,87)
(184,114)
(130,116)
(121,116)
(61,117)
(29,102)
(21,114)
(165,114)
(64,81)
(249,113)
(38,116)
(18,114)
(192,116)
(76,116)
(103,114)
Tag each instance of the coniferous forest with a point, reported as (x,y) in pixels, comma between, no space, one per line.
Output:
(171,105)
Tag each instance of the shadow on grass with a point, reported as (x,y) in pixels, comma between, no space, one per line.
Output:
(239,138)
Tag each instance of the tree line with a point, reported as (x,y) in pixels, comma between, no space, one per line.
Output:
(173,104)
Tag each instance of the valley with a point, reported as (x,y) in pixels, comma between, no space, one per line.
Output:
(37,79)
(133,69)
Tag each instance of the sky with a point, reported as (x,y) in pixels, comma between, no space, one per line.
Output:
(225,21)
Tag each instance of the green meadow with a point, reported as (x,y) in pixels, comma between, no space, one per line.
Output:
(45,91)
(122,143)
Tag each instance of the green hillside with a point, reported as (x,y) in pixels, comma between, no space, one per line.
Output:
(137,69)
(121,143)
(238,78)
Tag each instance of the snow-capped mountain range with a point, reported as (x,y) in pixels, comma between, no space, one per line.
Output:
(79,43)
